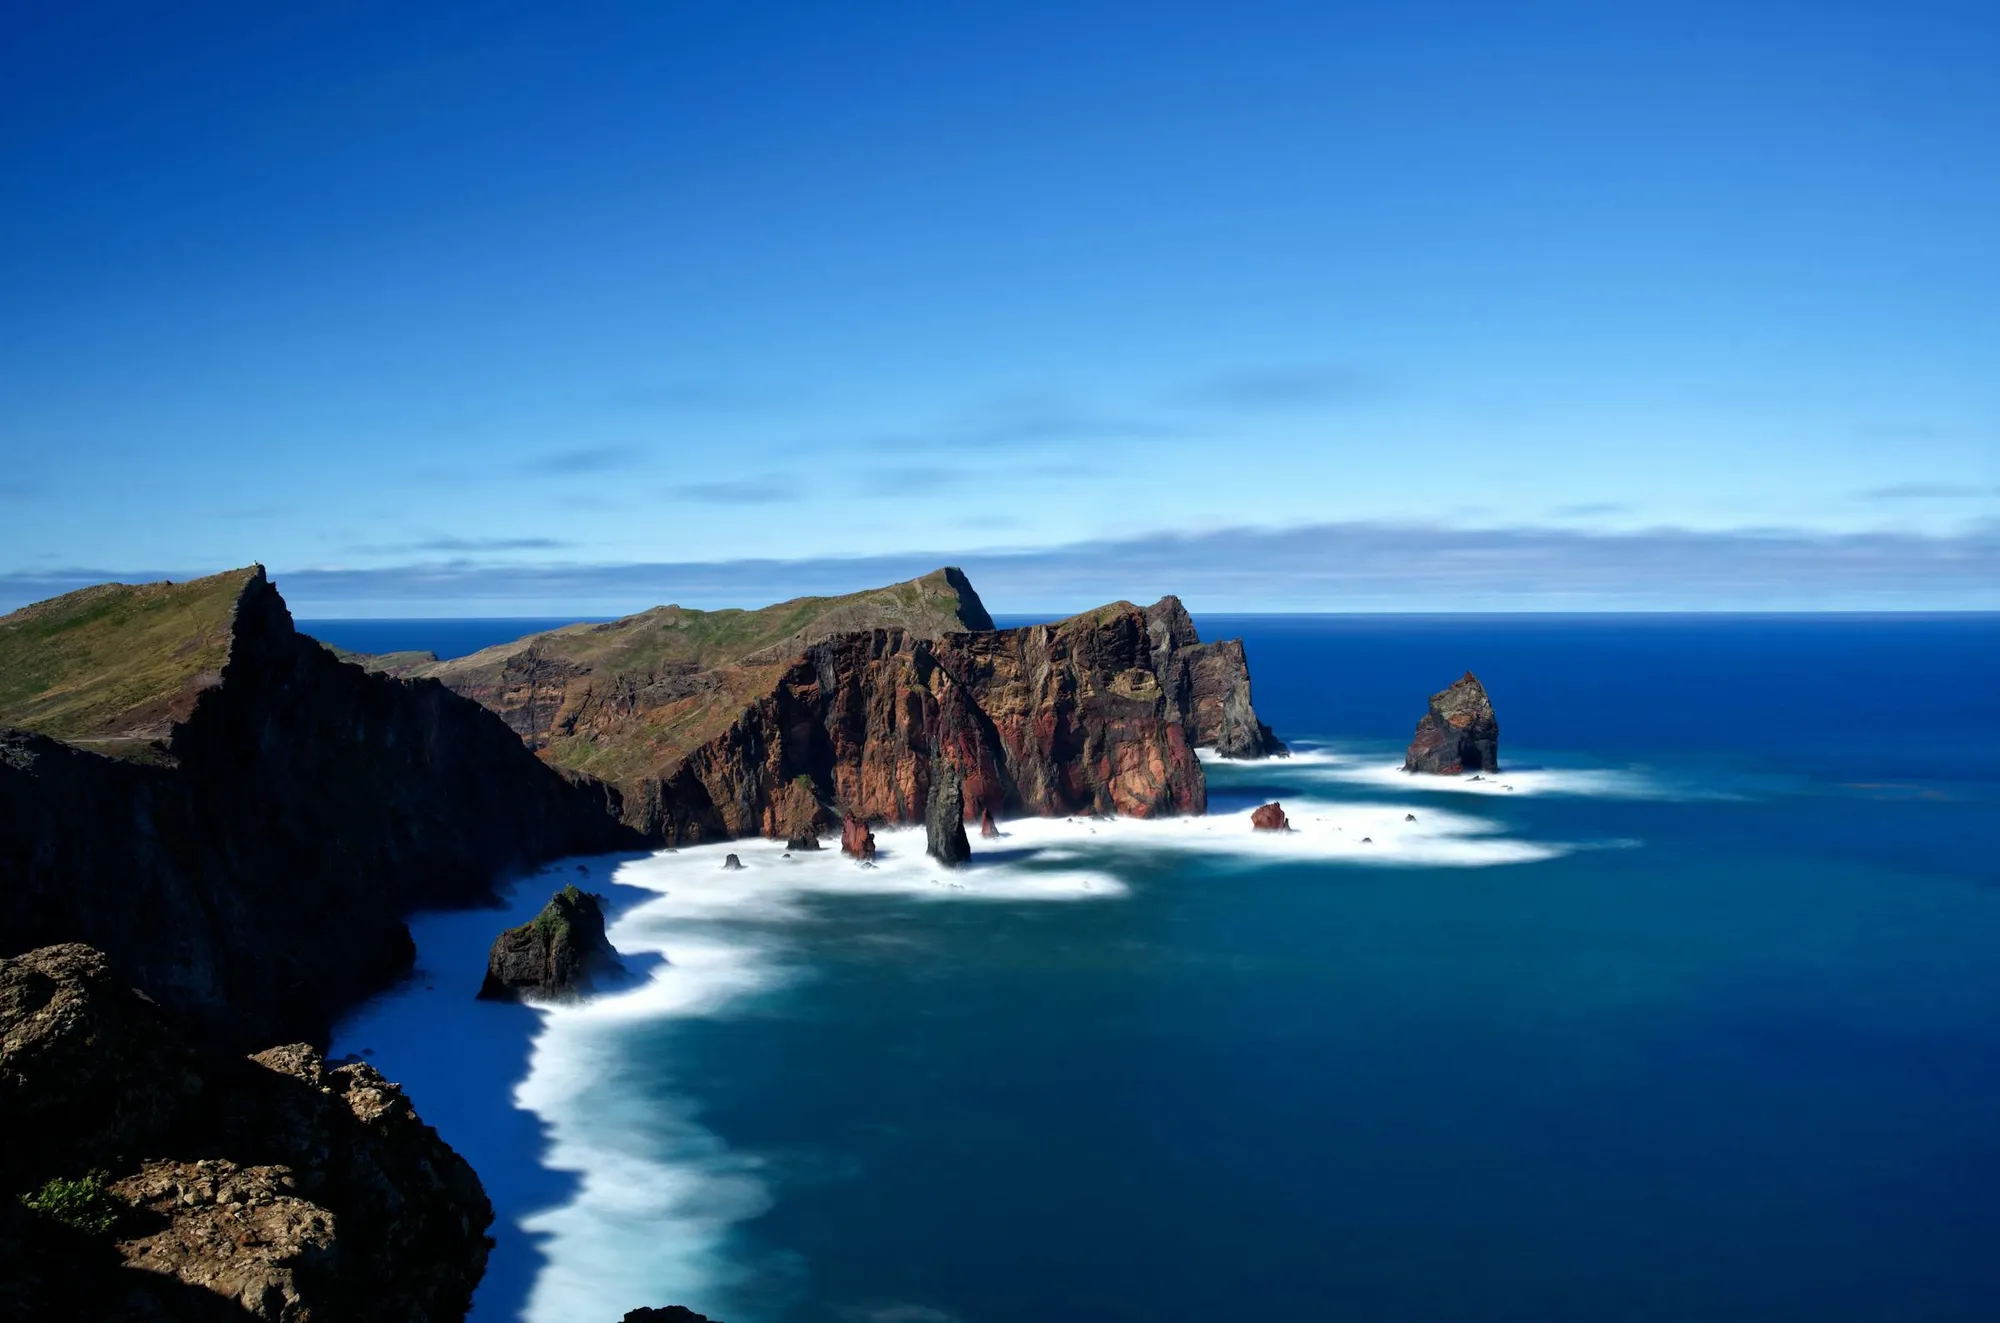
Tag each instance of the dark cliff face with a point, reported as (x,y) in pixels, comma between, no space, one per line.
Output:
(1210,684)
(944,818)
(254,877)
(1458,734)
(1061,719)
(274,1187)
(1095,714)
(557,955)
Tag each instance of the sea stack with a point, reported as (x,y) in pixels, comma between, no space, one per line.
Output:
(1459,733)
(944,817)
(988,829)
(555,955)
(856,840)
(1270,817)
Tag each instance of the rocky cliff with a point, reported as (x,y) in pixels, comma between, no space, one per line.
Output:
(1458,734)
(1099,713)
(240,819)
(142,1181)
(556,955)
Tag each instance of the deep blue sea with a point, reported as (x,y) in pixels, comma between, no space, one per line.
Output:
(1690,1015)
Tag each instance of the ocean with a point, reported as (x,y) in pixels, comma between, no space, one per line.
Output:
(1691,1014)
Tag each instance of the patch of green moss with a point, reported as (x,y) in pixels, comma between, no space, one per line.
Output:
(80,1203)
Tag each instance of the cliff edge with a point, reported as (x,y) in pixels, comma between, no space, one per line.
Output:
(239,819)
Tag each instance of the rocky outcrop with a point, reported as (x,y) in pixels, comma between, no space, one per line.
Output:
(988,829)
(558,955)
(250,860)
(1270,817)
(944,818)
(1210,683)
(1097,714)
(856,840)
(274,1188)
(1053,720)
(671,1314)
(1458,734)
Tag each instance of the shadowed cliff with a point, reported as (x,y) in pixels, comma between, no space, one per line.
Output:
(240,819)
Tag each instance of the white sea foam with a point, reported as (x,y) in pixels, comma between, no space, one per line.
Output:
(1329,765)
(658,1193)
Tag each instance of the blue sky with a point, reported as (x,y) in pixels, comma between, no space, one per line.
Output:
(496,308)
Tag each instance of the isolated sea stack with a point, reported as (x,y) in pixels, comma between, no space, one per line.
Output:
(556,955)
(1459,733)
(856,840)
(944,817)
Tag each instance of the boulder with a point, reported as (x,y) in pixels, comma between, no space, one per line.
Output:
(731,863)
(1270,817)
(558,954)
(1458,734)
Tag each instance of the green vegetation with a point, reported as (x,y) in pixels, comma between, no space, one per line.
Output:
(743,653)
(385,663)
(81,1203)
(104,665)
(552,924)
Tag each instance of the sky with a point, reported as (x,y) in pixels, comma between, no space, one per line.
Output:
(526,309)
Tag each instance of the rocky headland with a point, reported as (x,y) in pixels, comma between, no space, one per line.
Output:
(557,955)
(1458,734)
(239,819)
(783,721)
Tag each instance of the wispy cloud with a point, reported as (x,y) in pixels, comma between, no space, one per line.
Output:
(1321,567)
(1016,423)
(1288,386)
(583,459)
(1589,510)
(767,489)
(1927,491)
(461,546)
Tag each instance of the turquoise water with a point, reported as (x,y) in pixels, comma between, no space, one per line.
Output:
(1698,1020)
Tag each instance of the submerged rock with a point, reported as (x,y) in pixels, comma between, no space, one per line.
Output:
(730,863)
(988,829)
(558,953)
(671,1314)
(1270,817)
(944,817)
(1458,734)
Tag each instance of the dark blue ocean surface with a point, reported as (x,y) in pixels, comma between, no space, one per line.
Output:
(1699,1020)
(447,638)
